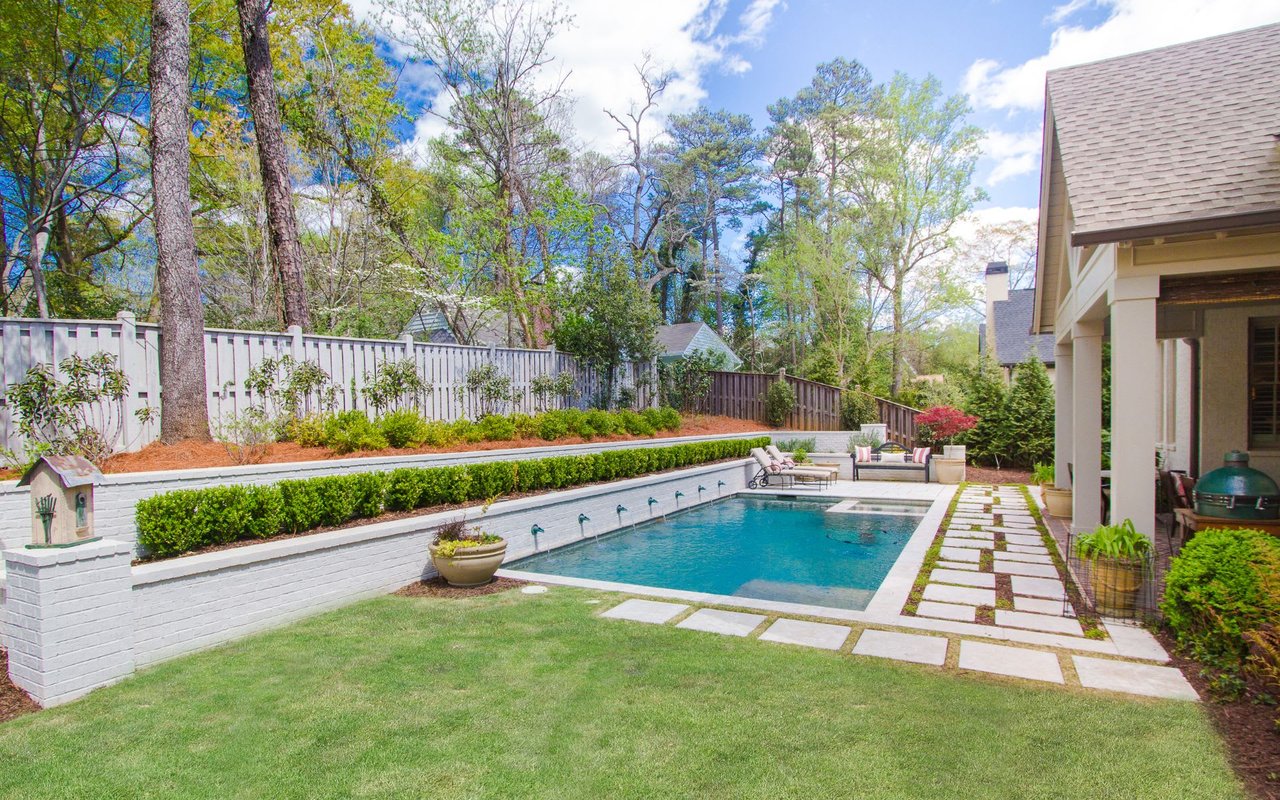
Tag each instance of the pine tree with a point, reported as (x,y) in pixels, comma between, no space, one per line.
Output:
(986,399)
(1030,415)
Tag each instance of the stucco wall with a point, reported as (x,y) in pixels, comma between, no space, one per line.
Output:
(1224,388)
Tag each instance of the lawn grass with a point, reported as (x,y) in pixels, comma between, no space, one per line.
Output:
(514,695)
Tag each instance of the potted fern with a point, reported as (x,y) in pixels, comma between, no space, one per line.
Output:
(464,556)
(1043,476)
(1056,501)
(1116,555)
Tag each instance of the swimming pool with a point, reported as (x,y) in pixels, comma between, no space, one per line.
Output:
(812,551)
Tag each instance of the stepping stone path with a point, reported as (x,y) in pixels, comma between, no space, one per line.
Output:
(730,623)
(1015,662)
(997,520)
(809,634)
(650,611)
(914,647)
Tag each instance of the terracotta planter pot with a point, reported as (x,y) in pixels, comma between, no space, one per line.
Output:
(1057,501)
(948,470)
(1116,582)
(470,566)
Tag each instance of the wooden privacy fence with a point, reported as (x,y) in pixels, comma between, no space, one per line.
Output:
(741,395)
(230,354)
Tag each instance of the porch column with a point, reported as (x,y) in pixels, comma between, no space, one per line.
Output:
(1135,398)
(1062,411)
(1086,426)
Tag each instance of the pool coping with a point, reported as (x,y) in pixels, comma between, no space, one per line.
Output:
(885,605)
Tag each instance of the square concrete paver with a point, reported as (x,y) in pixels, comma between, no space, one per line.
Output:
(1022,568)
(1038,622)
(928,608)
(809,634)
(1040,605)
(983,580)
(1033,549)
(975,544)
(1026,558)
(730,623)
(645,611)
(1038,587)
(914,647)
(955,565)
(1123,676)
(1013,661)
(960,554)
(961,533)
(964,595)
(1033,541)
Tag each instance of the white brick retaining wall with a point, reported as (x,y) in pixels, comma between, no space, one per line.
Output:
(164,609)
(116,499)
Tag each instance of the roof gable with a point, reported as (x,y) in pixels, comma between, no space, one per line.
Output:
(1012,322)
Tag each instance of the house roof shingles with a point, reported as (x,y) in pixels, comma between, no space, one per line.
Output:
(1173,135)
(1012,320)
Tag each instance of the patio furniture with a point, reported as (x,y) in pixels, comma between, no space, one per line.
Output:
(778,455)
(1191,522)
(899,458)
(775,470)
(1177,497)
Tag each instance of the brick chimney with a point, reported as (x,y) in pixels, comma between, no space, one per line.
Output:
(997,291)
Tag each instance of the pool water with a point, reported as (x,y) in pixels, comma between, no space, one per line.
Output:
(791,550)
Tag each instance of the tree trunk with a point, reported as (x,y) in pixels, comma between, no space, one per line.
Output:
(282,223)
(896,337)
(184,410)
(34,258)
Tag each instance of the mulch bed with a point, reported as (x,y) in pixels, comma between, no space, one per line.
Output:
(192,455)
(13,701)
(437,587)
(976,474)
(1247,725)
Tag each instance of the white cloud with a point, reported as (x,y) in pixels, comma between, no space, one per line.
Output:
(1014,154)
(598,53)
(1131,26)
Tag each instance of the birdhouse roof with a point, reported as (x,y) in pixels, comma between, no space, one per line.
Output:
(72,470)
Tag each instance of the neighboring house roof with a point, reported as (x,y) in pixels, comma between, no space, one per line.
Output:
(1154,143)
(685,338)
(431,326)
(1012,321)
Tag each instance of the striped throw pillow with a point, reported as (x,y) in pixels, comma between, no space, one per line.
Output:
(862,454)
(920,455)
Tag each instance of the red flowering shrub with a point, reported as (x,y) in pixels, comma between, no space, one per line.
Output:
(942,424)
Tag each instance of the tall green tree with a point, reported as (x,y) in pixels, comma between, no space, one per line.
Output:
(1030,414)
(986,398)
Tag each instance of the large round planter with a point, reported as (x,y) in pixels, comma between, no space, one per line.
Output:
(948,470)
(470,566)
(1057,501)
(1116,582)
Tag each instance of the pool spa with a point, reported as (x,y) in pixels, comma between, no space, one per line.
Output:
(819,551)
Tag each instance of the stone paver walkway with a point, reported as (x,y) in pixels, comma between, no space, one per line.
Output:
(995,567)
(1026,663)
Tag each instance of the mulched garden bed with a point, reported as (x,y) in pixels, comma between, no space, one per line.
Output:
(1247,725)
(13,701)
(438,587)
(975,474)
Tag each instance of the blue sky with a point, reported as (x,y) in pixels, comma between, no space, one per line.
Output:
(744,54)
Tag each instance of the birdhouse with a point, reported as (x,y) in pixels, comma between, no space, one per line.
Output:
(61,500)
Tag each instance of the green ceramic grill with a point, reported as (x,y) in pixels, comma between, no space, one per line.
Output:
(1237,491)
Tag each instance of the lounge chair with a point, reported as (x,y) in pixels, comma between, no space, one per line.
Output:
(775,470)
(778,455)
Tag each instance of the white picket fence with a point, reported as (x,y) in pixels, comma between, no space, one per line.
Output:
(230,354)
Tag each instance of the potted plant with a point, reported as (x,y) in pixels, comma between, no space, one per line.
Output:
(466,556)
(1043,476)
(940,426)
(1116,555)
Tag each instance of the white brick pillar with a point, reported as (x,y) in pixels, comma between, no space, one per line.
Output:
(69,618)
(1135,391)
(1086,426)
(1062,410)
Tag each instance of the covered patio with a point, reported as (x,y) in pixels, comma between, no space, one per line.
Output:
(1160,246)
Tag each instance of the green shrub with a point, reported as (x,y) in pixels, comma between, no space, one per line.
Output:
(185,520)
(352,431)
(552,425)
(402,428)
(601,423)
(857,409)
(790,445)
(496,428)
(306,431)
(635,424)
(1222,586)
(467,431)
(779,402)
(526,426)
(665,418)
(437,434)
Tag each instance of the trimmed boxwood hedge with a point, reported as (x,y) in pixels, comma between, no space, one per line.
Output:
(177,522)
